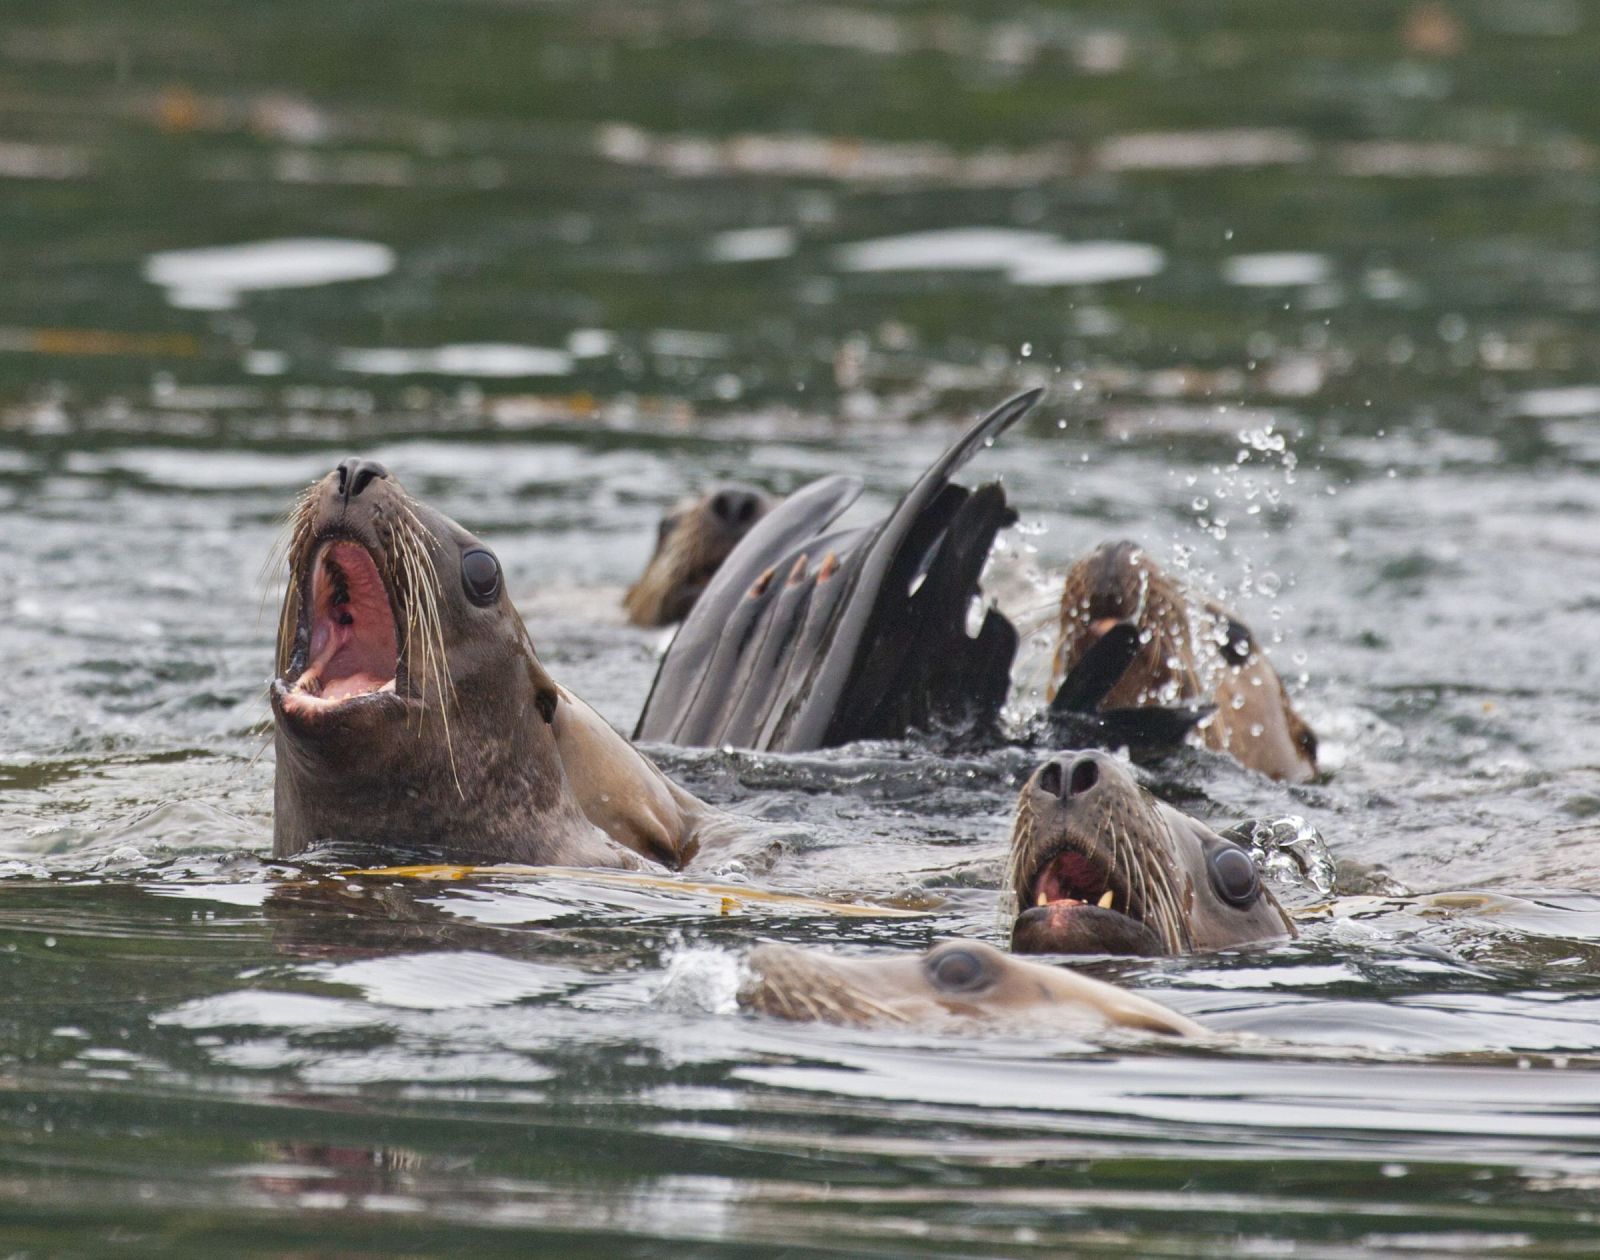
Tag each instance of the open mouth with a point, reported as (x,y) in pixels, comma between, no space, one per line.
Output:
(348,649)
(1074,878)
(1076,904)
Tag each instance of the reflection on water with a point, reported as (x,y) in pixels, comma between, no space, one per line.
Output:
(214,279)
(1026,258)
(1315,295)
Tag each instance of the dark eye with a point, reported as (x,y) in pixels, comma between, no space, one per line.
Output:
(480,576)
(1234,875)
(958,970)
(1307,739)
(1240,643)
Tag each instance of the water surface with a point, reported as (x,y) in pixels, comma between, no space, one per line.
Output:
(1314,293)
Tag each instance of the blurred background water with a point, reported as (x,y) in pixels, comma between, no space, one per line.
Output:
(1314,289)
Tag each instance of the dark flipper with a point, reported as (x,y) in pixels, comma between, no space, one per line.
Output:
(1151,727)
(1098,670)
(1075,714)
(808,640)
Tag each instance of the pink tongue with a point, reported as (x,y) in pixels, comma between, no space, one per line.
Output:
(352,643)
(345,661)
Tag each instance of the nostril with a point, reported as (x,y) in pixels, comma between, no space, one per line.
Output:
(1085,774)
(355,475)
(1065,778)
(367,471)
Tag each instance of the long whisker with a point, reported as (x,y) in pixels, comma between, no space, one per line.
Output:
(424,626)
(1173,929)
(292,542)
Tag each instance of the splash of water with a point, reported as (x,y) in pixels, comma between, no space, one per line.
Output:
(1289,850)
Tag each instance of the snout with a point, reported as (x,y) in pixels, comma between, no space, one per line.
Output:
(736,507)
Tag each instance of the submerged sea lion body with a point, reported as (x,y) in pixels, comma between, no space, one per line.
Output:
(412,711)
(964,983)
(695,537)
(1100,866)
(1186,654)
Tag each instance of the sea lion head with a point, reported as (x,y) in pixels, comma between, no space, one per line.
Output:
(1117,582)
(409,705)
(1188,651)
(1100,866)
(694,539)
(960,982)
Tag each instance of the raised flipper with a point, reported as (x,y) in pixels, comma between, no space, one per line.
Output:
(807,639)
(1075,711)
(680,707)
(1098,670)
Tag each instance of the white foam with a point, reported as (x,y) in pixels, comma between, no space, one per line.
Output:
(702,981)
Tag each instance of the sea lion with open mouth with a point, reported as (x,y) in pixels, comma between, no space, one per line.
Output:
(1099,866)
(695,537)
(962,983)
(1182,654)
(412,711)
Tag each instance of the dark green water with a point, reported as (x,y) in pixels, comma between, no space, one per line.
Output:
(1315,290)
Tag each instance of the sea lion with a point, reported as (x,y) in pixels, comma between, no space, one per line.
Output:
(961,983)
(411,709)
(1186,653)
(1100,866)
(693,540)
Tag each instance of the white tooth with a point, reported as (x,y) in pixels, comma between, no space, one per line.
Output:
(388,686)
(1043,900)
(1105,900)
